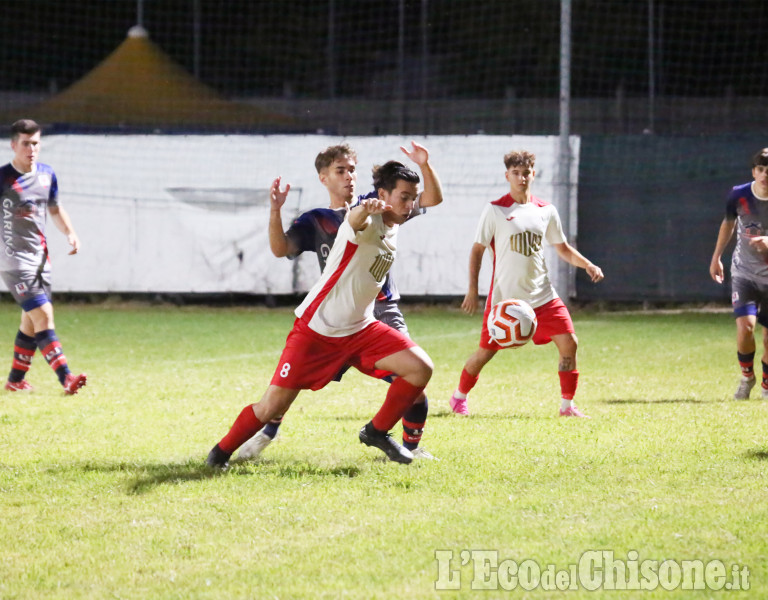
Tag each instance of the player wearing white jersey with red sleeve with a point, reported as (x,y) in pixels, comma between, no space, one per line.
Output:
(335,326)
(513,230)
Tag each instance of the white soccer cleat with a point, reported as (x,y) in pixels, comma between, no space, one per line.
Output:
(254,447)
(745,387)
(421,454)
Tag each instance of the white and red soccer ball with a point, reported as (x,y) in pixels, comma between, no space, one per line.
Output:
(511,323)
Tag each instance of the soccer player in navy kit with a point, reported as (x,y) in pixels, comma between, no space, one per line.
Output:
(29,191)
(315,231)
(335,326)
(746,212)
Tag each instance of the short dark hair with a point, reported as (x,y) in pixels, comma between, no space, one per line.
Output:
(26,126)
(387,175)
(760,158)
(332,153)
(519,158)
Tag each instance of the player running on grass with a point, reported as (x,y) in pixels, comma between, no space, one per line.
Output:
(29,189)
(335,326)
(315,231)
(746,212)
(512,229)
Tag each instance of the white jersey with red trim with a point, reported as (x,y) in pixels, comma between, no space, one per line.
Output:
(513,233)
(341,302)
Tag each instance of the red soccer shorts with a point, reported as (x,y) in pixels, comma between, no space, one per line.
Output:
(552,318)
(310,360)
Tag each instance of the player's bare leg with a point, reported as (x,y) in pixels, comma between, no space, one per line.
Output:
(414,368)
(469,376)
(567,344)
(745,350)
(275,401)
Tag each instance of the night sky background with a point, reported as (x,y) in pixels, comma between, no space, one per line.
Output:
(474,49)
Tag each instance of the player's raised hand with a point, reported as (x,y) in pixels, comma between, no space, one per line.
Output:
(375,206)
(277,197)
(419,154)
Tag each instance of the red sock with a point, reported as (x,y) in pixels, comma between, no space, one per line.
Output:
(243,429)
(467,381)
(400,397)
(569,380)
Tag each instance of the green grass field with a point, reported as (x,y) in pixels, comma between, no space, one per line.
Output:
(104,494)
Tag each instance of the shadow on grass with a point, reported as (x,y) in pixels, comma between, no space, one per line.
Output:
(755,454)
(660,401)
(145,477)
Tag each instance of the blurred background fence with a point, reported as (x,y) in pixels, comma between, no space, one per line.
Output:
(667,96)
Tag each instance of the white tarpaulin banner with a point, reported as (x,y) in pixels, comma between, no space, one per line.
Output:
(190,213)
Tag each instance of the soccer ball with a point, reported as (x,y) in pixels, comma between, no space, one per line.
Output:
(511,323)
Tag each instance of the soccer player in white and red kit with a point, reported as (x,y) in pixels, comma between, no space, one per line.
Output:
(315,231)
(335,325)
(513,229)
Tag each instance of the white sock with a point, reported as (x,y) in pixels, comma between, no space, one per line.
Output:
(457,394)
(565,404)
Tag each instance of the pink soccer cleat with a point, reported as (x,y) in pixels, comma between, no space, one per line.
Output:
(459,406)
(72,383)
(572,411)
(19,386)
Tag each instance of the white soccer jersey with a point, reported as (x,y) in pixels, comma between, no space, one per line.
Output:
(514,233)
(341,302)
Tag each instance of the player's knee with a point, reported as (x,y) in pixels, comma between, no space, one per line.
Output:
(423,368)
(745,327)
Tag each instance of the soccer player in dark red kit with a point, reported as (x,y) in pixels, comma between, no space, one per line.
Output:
(513,229)
(29,191)
(335,326)
(746,212)
(315,231)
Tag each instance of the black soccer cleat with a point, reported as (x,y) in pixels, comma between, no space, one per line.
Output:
(217,458)
(370,436)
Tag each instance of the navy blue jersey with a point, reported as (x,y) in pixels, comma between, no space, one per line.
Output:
(751,216)
(316,229)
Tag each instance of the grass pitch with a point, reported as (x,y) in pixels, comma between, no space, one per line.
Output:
(104,494)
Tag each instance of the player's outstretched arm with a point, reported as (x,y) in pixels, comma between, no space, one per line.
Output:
(469,305)
(723,237)
(358,216)
(572,256)
(433,190)
(60,218)
(279,243)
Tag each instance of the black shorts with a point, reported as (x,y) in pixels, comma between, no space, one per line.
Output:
(750,298)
